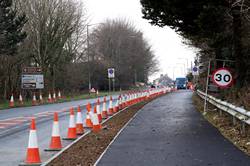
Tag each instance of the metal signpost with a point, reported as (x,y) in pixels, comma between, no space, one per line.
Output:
(32,78)
(111,75)
(208,71)
(221,77)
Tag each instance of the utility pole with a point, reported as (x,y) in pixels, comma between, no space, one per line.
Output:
(89,77)
(135,76)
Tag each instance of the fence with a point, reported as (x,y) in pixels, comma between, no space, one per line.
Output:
(236,112)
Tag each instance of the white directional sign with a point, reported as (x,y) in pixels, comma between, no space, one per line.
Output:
(32,81)
(222,77)
(111,73)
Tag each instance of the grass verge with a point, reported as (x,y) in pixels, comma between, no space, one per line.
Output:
(28,103)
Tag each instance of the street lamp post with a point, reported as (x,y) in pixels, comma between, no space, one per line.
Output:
(89,78)
(187,63)
(183,65)
(135,77)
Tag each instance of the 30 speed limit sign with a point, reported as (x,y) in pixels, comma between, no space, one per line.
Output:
(222,77)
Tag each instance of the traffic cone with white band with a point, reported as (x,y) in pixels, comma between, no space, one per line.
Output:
(34,100)
(41,98)
(72,126)
(11,104)
(20,99)
(104,109)
(88,107)
(54,97)
(55,142)
(96,125)
(79,123)
(120,102)
(59,95)
(49,98)
(88,120)
(98,111)
(110,111)
(116,108)
(32,155)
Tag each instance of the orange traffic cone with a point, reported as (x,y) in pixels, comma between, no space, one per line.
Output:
(79,123)
(41,98)
(95,112)
(11,104)
(88,107)
(120,102)
(98,111)
(55,142)
(32,155)
(72,126)
(116,108)
(20,99)
(88,121)
(54,97)
(110,112)
(96,125)
(49,98)
(104,109)
(59,95)
(34,99)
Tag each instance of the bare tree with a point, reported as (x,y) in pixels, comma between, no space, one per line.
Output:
(55,32)
(118,44)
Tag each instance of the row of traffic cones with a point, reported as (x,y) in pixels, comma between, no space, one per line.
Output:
(34,99)
(93,121)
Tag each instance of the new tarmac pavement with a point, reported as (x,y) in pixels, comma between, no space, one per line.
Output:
(170,132)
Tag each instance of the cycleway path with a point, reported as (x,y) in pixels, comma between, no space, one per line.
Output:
(170,132)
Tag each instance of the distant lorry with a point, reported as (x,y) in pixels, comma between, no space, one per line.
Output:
(181,83)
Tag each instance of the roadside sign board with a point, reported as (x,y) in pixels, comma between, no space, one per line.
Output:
(111,73)
(222,77)
(195,71)
(32,70)
(32,81)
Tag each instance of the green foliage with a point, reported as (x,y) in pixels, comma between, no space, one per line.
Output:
(215,27)
(11,25)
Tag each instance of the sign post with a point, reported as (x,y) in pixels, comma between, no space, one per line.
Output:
(222,77)
(205,102)
(111,75)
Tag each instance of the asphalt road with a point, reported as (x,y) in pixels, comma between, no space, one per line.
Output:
(170,132)
(14,129)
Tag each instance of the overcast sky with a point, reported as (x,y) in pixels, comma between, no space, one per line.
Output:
(167,45)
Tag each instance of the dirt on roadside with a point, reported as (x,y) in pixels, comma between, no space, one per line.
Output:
(224,123)
(89,148)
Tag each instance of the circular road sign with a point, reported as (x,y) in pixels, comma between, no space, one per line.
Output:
(111,73)
(222,77)
(195,69)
